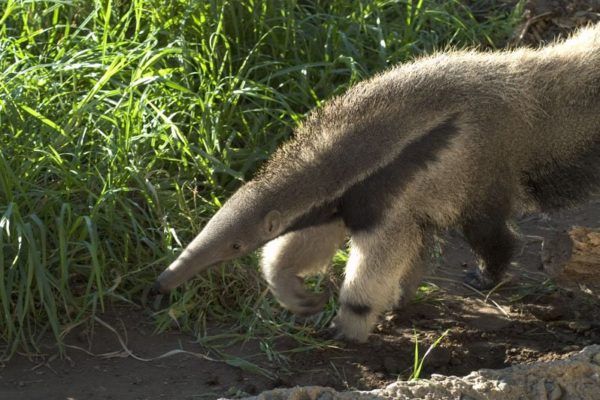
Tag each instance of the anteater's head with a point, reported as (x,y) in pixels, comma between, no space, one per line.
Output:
(243,224)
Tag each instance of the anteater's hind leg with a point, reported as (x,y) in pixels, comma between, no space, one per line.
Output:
(379,259)
(493,244)
(289,258)
(411,280)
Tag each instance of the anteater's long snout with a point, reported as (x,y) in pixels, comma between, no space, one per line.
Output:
(210,247)
(202,253)
(170,278)
(180,271)
(157,289)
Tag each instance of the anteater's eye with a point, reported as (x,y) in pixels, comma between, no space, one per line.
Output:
(236,246)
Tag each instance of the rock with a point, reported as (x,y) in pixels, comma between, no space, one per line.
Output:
(325,396)
(569,348)
(576,252)
(576,377)
(550,312)
(556,393)
(585,257)
(557,249)
(250,388)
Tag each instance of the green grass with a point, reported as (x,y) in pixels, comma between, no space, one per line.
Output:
(419,361)
(125,124)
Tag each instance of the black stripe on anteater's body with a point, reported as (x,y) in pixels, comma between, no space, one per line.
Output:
(361,206)
(463,139)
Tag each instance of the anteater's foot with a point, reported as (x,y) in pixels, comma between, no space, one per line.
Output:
(306,304)
(480,280)
(352,327)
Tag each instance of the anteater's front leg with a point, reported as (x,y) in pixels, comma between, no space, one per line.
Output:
(289,258)
(379,260)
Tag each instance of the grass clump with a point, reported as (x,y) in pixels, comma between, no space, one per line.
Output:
(125,125)
(418,360)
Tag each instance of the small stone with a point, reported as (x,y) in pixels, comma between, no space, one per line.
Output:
(542,393)
(391,365)
(250,388)
(552,390)
(299,394)
(596,358)
(455,359)
(212,380)
(325,396)
(279,383)
(579,326)
(556,393)
(547,313)
(569,348)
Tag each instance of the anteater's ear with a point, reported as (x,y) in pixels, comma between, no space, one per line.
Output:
(272,222)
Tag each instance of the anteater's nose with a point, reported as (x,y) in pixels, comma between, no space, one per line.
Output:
(158,289)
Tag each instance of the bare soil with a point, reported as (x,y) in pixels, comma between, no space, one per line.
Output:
(529,318)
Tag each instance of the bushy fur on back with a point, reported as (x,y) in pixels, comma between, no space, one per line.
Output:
(534,92)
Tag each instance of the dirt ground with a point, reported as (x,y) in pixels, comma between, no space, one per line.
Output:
(527,319)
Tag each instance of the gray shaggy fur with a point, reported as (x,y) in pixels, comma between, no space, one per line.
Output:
(463,139)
